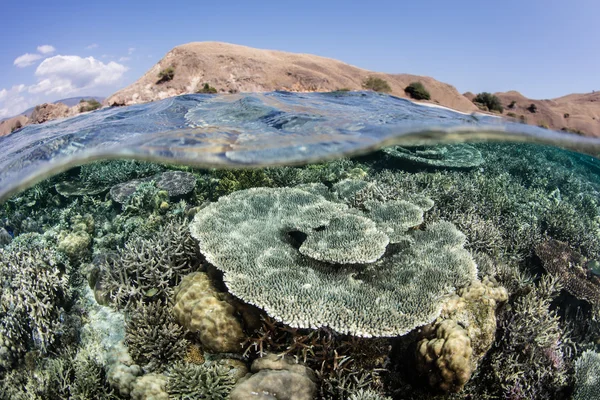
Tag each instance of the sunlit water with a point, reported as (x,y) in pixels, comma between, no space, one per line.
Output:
(393,250)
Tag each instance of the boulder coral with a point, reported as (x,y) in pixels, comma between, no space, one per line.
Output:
(150,387)
(199,308)
(256,236)
(276,377)
(445,356)
(451,347)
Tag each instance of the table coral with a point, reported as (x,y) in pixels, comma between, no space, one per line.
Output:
(252,236)
(440,156)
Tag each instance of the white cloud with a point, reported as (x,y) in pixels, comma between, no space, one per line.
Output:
(13,101)
(124,59)
(46,49)
(68,74)
(61,76)
(26,60)
(91,46)
(130,50)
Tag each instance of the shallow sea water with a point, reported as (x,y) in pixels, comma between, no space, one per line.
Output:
(326,246)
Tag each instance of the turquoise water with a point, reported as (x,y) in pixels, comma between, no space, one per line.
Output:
(361,247)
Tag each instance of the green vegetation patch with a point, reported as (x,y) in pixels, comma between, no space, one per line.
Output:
(89,105)
(417,91)
(377,85)
(207,89)
(490,101)
(166,75)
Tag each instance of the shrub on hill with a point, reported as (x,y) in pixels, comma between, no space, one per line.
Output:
(207,89)
(166,75)
(91,105)
(532,108)
(512,104)
(16,126)
(377,85)
(490,101)
(417,91)
(571,130)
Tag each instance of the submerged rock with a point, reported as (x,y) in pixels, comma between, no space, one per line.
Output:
(276,377)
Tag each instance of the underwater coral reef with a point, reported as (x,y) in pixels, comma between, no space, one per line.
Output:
(466,271)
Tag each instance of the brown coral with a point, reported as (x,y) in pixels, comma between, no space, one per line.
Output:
(567,266)
(445,355)
(451,347)
(199,308)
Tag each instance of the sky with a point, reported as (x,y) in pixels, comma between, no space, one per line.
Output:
(542,48)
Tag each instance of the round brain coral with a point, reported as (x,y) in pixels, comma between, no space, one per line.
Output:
(446,356)
(199,309)
(253,237)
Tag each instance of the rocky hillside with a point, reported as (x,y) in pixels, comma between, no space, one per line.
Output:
(42,113)
(232,68)
(577,113)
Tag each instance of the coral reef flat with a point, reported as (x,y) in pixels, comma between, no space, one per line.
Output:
(450,271)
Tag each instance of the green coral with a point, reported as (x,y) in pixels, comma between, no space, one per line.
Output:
(192,381)
(229,181)
(152,336)
(150,267)
(368,394)
(34,288)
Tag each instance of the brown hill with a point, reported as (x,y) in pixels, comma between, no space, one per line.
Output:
(578,113)
(9,125)
(232,68)
(40,114)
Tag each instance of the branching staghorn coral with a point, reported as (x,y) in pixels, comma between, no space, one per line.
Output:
(150,268)
(533,355)
(34,287)
(192,381)
(252,236)
(152,336)
(70,375)
(342,363)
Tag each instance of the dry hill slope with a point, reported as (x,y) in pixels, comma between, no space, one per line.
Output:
(40,114)
(578,113)
(234,68)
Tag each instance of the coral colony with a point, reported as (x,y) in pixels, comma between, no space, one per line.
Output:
(427,272)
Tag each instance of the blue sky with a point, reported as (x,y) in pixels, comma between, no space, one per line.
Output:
(542,48)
